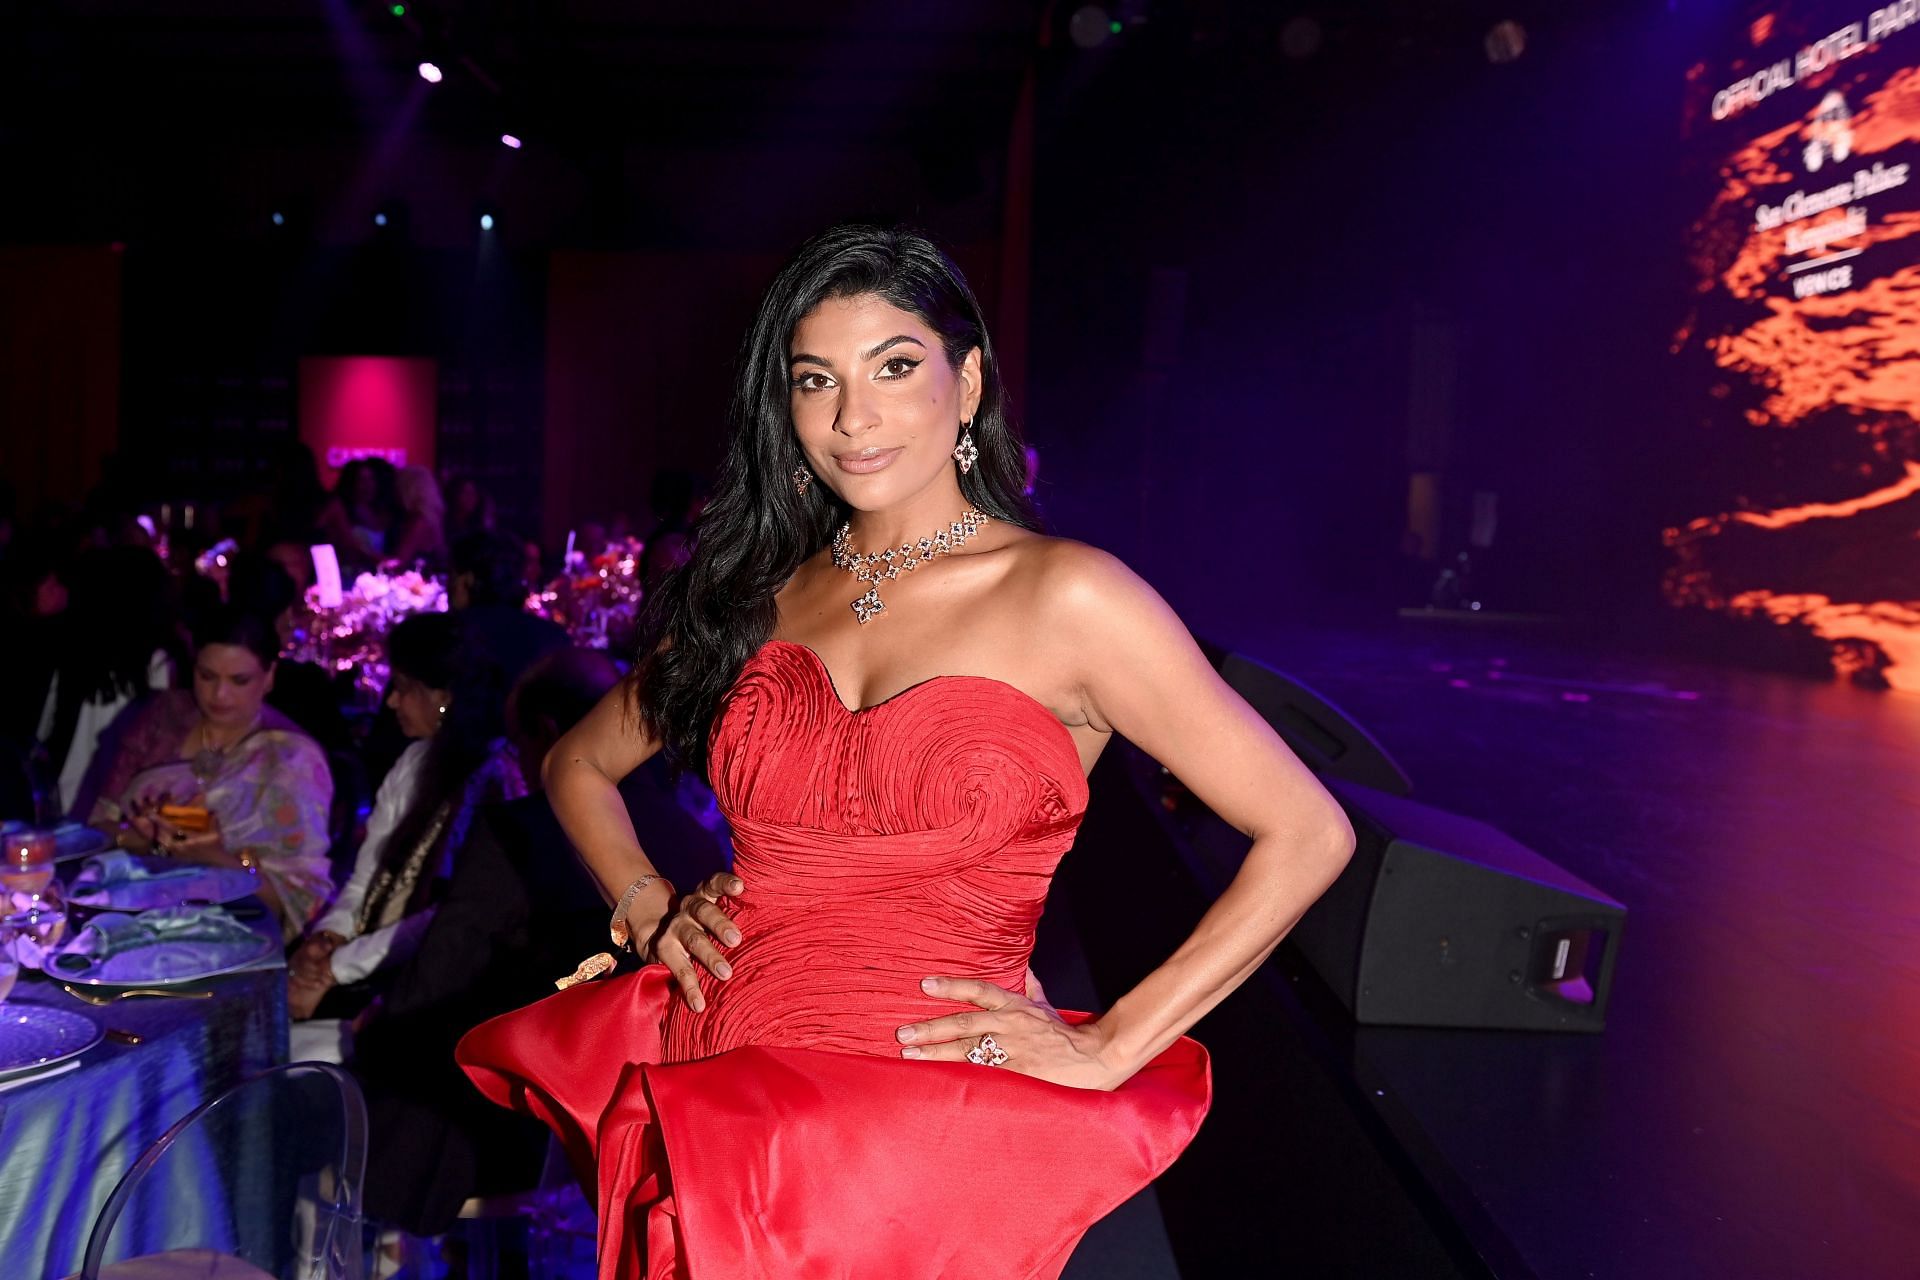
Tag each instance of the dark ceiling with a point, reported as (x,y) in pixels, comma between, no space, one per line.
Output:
(570,71)
(655,122)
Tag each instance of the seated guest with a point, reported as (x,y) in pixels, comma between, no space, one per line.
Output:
(488,589)
(359,515)
(118,640)
(471,509)
(218,777)
(420,532)
(260,584)
(519,913)
(678,498)
(459,759)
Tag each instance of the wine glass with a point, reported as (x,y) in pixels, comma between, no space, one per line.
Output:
(9,967)
(35,913)
(26,860)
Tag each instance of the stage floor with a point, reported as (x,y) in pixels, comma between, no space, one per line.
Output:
(1752,1107)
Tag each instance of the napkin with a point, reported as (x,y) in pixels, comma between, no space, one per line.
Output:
(117,866)
(168,942)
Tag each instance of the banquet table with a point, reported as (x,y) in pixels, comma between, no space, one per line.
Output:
(67,1136)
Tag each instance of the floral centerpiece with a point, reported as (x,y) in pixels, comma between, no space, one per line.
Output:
(596,598)
(352,635)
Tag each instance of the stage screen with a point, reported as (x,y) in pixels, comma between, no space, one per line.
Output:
(1804,334)
(368,407)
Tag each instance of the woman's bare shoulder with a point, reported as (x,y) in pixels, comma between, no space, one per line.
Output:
(1076,572)
(1077,593)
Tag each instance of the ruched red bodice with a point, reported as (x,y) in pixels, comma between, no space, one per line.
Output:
(945,807)
(768,1134)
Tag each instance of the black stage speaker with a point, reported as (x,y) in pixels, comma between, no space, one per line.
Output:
(1442,921)
(1321,734)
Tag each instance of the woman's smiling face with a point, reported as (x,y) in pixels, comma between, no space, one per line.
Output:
(876,406)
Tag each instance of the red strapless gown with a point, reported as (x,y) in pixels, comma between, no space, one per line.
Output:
(779,1133)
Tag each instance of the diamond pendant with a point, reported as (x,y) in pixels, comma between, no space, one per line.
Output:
(868,605)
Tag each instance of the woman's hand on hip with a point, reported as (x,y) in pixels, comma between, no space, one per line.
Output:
(693,932)
(1038,1042)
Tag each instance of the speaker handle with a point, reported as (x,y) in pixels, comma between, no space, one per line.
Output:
(1572,959)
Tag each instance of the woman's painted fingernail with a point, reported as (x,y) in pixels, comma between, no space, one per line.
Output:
(909,1052)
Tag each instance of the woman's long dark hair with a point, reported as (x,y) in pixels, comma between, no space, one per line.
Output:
(121,610)
(433,649)
(713,613)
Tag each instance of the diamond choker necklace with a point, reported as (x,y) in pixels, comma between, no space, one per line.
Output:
(887,565)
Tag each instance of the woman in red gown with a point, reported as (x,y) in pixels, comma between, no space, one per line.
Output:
(837,1064)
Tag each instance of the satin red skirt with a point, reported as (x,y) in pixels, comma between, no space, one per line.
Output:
(801,1163)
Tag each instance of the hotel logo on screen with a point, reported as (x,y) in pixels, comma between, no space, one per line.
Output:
(1848,42)
(1822,248)
(1806,274)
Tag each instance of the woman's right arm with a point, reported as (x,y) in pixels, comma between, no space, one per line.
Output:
(582,774)
(342,918)
(145,743)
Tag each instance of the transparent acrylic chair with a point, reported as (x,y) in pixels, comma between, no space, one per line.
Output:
(262,1182)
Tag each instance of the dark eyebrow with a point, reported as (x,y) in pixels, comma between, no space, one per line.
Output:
(891,343)
(803,357)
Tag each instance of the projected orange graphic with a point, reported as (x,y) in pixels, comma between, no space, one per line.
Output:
(1807,268)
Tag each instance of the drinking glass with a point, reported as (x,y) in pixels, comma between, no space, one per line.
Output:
(9,967)
(33,914)
(26,861)
(38,921)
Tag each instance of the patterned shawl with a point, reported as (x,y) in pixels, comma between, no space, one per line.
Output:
(271,793)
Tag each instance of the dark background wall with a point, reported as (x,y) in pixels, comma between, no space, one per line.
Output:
(1275,287)
(1269,282)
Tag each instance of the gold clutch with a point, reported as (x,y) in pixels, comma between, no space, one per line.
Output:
(592,967)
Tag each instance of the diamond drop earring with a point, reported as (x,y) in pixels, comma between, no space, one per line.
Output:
(966,453)
(802,478)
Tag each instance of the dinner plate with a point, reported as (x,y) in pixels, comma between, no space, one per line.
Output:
(80,844)
(208,884)
(70,839)
(32,1037)
(167,964)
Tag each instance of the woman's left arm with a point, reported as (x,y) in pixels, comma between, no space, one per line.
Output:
(1141,675)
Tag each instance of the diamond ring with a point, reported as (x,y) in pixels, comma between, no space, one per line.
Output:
(987,1053)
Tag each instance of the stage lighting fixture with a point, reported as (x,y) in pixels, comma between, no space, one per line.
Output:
(1506,41)
(430,73)
(486,222)
(379,219)
(1300,38)
(1091,25)
(507,139)
(399,11)
(279,218)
